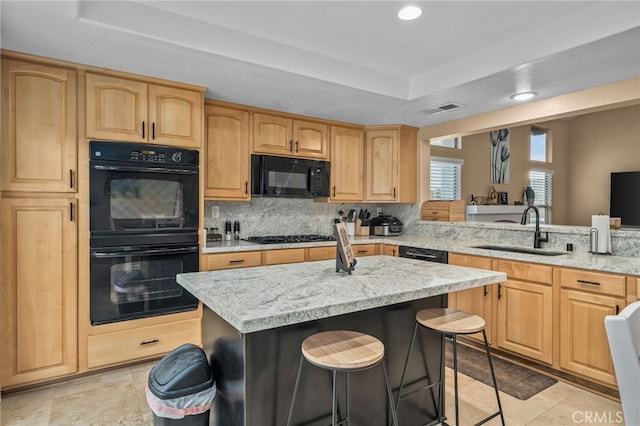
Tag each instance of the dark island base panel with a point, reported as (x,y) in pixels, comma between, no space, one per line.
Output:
(272,358)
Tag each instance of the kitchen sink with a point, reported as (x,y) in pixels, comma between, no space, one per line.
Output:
(521,250)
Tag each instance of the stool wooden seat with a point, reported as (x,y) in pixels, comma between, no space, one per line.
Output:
(451,323)
(343,351)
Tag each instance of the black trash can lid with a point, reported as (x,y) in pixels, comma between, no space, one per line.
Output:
(183,371)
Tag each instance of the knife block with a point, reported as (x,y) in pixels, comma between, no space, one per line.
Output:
(361,230)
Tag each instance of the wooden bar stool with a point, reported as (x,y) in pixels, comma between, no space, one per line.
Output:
(450,322)
(343,351)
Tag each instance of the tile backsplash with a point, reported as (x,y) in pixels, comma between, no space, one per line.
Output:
(290,216)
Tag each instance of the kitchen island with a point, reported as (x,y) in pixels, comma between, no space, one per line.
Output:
(273,308)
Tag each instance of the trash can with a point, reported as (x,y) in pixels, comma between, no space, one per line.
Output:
(181,389)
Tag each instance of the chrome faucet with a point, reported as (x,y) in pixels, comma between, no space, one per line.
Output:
(537,237)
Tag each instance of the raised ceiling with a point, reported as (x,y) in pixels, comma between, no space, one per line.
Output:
(349,61)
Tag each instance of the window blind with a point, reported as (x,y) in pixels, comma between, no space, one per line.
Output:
(540,182)
(445,178)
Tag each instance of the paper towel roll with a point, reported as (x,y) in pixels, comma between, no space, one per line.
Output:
(600,234)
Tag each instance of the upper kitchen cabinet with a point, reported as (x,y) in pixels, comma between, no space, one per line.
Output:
(39,136)
(280,135)
(347,164)
(127,110)
(227,171)
(391,164)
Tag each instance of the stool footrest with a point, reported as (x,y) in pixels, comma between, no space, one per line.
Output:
(418,390)
(481,422)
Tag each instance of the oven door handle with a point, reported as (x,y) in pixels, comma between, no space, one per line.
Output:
(106,255)
(144,169)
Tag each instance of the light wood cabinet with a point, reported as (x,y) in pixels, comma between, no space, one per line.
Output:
(478,300)
(39,289)
(525,310)
(321,253)
(241,259)
(586,298)
(365,249)
(227,170)
(443,211)
(39,136)
(142,342)
(347,164)
(128,110)
(391,164)
(280,135)
(277,257)
(390,250)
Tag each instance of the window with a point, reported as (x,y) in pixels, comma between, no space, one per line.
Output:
(538,144)
(445,178)
(540,182)
(455,142)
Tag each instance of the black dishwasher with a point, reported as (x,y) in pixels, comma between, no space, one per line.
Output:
(430,255)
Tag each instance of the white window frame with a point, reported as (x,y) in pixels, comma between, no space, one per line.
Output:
(451,143)
(454,193)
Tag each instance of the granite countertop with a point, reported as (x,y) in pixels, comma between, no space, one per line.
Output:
(603,263)
(265,297)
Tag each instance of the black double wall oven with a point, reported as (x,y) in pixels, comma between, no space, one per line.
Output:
(143,219)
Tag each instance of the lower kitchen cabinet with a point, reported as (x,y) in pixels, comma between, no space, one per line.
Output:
(241,259)
(585,299)
(142,342)
(365,249)
(39,289)
(321,253)
(275,257)
(477,300)
(390,250)
(525,310)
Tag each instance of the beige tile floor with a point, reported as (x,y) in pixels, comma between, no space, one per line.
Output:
(119,397)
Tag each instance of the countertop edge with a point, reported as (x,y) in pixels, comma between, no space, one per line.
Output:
(596,262)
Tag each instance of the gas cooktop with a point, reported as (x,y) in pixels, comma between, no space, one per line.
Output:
(279,239)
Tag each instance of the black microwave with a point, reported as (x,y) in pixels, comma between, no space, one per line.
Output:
(289,177)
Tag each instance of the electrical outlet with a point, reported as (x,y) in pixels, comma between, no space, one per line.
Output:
(378,211)
(215,212)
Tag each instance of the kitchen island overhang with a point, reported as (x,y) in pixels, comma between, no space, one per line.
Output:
(273,308)
(264,297)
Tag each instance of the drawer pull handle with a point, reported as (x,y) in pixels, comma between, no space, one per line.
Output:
(149,342)
(235,262)
(588,282)
(362,251)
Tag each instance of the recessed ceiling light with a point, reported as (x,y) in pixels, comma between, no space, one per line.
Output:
(409,13)
(523,96)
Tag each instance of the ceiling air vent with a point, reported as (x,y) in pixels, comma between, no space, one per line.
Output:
(441,108)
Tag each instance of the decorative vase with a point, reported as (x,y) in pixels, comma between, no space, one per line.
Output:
(530,195)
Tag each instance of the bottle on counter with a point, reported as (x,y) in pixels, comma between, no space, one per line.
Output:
(236,230)
(227,230)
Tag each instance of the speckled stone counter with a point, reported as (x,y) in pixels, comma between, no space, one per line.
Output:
(259,298)
(582,260)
